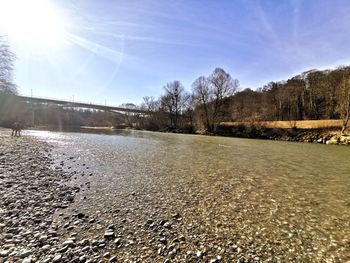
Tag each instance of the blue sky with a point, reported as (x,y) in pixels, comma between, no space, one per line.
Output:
(117,51)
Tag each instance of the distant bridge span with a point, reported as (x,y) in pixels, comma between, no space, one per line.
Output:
(80,104)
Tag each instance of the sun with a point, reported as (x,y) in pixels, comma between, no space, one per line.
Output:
(36,22)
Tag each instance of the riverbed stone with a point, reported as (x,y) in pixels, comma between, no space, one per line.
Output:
(57,258)
(219,212)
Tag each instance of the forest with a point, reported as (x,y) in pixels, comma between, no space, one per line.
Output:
(312,95)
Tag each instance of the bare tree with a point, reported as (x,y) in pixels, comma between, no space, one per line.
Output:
(150,104)
(6,68)
(156,120)
(130,117)
(210,95)
(201,96)
(186,109)
(173,100)
(344,99)
(222,85)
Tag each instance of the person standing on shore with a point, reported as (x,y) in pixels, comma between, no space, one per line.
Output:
(16,129)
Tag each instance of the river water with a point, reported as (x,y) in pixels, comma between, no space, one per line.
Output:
(238,199)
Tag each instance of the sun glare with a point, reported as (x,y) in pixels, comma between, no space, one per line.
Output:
(35,22)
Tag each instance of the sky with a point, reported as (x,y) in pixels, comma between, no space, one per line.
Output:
(118,51)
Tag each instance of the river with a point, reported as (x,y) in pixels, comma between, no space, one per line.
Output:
(228,198)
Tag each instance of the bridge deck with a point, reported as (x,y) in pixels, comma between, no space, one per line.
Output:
(81,104)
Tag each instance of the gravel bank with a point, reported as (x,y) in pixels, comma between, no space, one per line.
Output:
(197,221)
(31,191)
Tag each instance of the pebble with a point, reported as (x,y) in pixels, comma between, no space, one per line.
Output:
(68,243)
(27,260)
(82,259)
(46,248)
(25,253)
(57,258)
(32,193)
(113,259)
(109,235)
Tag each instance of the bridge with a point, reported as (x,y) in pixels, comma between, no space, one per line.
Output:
(80,105)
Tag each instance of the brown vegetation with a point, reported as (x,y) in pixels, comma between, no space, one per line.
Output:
(303,124)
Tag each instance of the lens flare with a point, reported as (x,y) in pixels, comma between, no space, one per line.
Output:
(35,22)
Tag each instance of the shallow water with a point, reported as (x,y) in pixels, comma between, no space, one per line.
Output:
(293,197)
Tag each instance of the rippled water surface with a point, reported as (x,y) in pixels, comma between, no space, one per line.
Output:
(294,196)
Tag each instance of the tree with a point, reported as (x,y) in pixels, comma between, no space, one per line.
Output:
(155,120)
(211,94)
(270,101)
(221,86)
(344,99)
(150,104)
(130,117)
(6,68)
(201,96)
(247,105)
(173,101)
(316,94)
(9,106)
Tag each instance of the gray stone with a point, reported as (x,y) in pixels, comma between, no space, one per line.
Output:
(82,259)
(47,260)
(46,248)
(69,243)
(25,253)
(4,253)
(27,260)
(43,238)
(57,258)
(86,248)
(109,235)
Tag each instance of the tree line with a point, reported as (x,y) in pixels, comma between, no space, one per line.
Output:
(211,100)
(312,95)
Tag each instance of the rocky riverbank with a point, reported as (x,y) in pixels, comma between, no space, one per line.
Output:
(32,190)
(322,136)
(46,214)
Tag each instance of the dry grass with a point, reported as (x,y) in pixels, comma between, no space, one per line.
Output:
(304,124)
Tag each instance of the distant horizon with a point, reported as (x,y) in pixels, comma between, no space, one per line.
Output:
(113,53)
